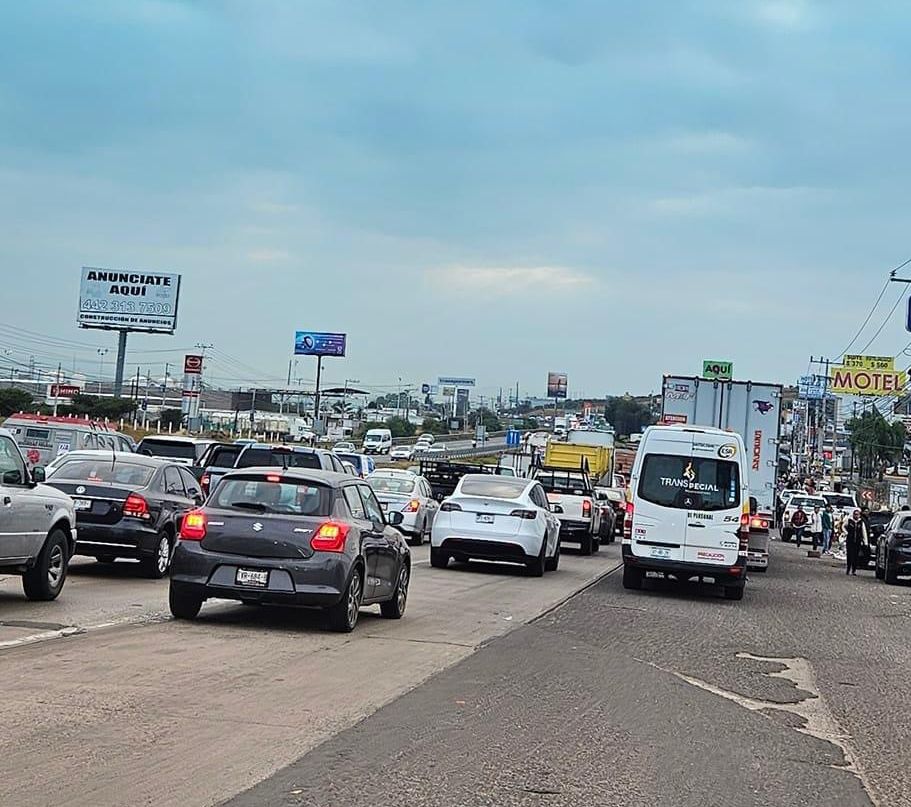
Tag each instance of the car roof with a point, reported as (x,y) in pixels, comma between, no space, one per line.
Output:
(173,438)
(518,482)
(128,456)
(331,478)
(393,472)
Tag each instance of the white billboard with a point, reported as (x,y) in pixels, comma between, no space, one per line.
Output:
(129,301)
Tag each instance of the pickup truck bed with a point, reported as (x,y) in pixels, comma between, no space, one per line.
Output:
(572,496)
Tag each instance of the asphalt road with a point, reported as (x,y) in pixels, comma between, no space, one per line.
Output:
(670,696)
(107,702)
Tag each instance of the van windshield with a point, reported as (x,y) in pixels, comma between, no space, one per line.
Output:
(690,483)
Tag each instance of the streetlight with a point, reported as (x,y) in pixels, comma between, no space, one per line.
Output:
(102,352)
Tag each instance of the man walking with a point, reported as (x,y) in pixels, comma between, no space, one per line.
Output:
(855,534)
(816,527)
(799,524)
(828,524)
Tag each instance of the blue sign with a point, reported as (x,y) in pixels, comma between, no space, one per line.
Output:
(513,438)
(812,386)
(315,343)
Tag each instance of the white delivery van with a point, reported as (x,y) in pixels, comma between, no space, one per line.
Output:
(377,441)
(688,508)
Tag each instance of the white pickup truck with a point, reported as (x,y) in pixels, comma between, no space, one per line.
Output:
(572,497)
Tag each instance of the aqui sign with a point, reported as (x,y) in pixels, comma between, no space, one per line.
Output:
(717,370)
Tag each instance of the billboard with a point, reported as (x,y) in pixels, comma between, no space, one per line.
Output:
(716,370)
(128,301)
(812,386)
(192,364)
(853,380)
(461,402)
(556,385)
(455,381)
(317,343)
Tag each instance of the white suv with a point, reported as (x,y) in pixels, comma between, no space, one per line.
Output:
(37,525)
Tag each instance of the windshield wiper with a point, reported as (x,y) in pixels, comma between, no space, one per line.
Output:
(252,506)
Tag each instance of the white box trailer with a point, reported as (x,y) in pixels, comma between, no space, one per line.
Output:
(753,411)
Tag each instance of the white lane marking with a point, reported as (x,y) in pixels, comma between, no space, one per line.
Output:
(819,721)
(76,630)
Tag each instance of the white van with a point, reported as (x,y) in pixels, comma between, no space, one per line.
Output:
(377,441)
(44,438)
(688,508)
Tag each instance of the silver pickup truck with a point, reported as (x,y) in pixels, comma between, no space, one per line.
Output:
(37,525)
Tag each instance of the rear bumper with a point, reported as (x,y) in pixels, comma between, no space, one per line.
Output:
(573,530)
(758,560)
(482,549)
(316,582)
(685,569)
(124,541)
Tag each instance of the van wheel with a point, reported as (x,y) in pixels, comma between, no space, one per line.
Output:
(733,592)
(632,578)
(44,581)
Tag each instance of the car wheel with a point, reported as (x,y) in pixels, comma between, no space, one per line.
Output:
(889,574)
(536,567)
(596,543)
(395,608)
(551,564)
(585,545)
(182,604)
(343,615)
(632,578)
(105,558)
(878,570)
(734,592)
(438,559)
(44,581)
(156,566)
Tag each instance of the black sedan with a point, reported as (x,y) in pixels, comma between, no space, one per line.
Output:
(893,549)
(127,505)
(292,536)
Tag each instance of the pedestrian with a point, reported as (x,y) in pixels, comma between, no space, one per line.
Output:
(828,525)
(816,527)
(799,523)
(855,534)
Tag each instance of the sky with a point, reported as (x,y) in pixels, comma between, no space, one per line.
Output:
(491,189)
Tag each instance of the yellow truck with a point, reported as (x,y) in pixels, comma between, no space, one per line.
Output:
(598,459)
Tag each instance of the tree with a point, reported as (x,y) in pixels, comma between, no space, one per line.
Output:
(627,416)
(487,418)
(99,408)
(434,426)
(14,400)
(398,426)
(875,442)
(171,417)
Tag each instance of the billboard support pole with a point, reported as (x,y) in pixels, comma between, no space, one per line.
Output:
(316,401)
(121,359)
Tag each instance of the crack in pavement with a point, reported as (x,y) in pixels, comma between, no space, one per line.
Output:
(819,722)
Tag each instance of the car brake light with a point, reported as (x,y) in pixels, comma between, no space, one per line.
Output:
(412,507)
(744,530)
(193,526)
(273,478)
(136,507)
(529,514)
(628,521)
(204,482)
(586,508)
(330,537)
(447,507)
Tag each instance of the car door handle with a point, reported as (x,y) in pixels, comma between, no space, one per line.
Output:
(701,526)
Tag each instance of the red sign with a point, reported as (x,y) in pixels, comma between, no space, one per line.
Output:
(192,365)
(670,419)
(757,449)
(64,390)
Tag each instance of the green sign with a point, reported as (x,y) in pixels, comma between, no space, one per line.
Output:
(718,370)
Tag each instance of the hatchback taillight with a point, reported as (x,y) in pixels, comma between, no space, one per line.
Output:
(193,526)
(330,537)
(448,507)
(136,507)
(529,514)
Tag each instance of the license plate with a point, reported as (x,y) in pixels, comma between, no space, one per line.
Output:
(659,552)
(484,518)
(82,504)
(252,577)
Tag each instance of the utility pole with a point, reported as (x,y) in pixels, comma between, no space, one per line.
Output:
(57,390)
(102,352)
(121,362)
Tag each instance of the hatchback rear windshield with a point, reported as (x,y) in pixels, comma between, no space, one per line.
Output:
(839,500)
(391,484)
(167,448)
(257,457)
(103,470)
(690,483)
(258,495)
(494,488)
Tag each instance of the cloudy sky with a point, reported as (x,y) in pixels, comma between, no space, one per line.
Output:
(491,188)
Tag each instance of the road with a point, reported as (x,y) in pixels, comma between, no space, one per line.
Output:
(486,693)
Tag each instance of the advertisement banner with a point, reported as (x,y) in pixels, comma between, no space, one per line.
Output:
(64,390)
(455,381)
(670,419)
(317,343)
(715,370)
(556,385)
(128,301)
(192,364)
(449,392)
(812,386)
(867,382)
(869,362)
(461,402)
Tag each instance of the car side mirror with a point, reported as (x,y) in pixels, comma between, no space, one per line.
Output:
(13,477)
(394,519)
(39,474)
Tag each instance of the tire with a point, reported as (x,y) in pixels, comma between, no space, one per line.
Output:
(878,570)
(157,566)
(734,592)
(105,558)
(395,608)
(44,581)
(437,559)
(632,578)
(537,566)
(586,546)
(552,564)
(342,617)
(889,574)
(182,604)
(785,536)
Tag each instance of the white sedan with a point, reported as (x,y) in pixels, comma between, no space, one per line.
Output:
(500,518)
(409,494)
(402,453)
